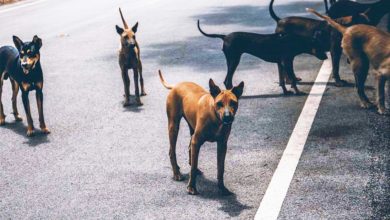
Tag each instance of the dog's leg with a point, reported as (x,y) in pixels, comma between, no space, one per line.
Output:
(174,118)
(282,76)
(2,116)
(126,84)
(195,147)
(141,78)
(15,91)
(137,98)
(26,105)
(232,62)
(360,67)
(221,155)
(381,81)
(289,69)
(335,51)
(39,97)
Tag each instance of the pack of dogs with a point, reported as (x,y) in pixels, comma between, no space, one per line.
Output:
(347,27)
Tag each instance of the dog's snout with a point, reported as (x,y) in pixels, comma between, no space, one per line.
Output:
(227,116)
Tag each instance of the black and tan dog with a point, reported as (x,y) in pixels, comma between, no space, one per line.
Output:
(365,45)
(275,48)
(374,11)
(129,58)
(321,31)
(209,116)
(22,66)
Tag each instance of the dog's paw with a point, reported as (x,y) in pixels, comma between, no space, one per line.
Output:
(382,111)
(2,121)
(126,103)
(138,102)
(192,190)
(340,83)
(366,105)
(30,132)
(45,130)
(178,177)
(18,118)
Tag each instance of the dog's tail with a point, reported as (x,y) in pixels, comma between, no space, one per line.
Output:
(123,20)
(210,35)
(332,23)
(272,12)
(165,84)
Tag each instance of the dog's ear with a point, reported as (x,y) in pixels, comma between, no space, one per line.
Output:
(119,30)
(135,27)
(238,90)
(214,89)
(37,42)
(18,43)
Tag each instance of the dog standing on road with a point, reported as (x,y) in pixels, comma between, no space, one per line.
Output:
(275,48)
(23,67)
(320,31)
(129,58)
(365,45)
(209,116)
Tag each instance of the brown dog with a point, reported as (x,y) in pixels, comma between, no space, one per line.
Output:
(129,58)
(364,44)
(209,116)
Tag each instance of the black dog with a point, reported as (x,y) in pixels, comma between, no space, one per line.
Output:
(321,31)
(275,48)
(22,65)
(374,11)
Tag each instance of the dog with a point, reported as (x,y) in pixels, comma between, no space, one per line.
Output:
(365,45)
(209,116)
(321,32)
(275,48)
(374,11)
(23,67)
(129,58)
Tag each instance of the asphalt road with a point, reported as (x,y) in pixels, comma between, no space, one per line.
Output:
(109,162)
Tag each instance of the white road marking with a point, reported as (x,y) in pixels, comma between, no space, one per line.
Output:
(19,5)
(277,189)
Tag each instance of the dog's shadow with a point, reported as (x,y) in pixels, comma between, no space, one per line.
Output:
(21,129)
(133,107)
(209,190)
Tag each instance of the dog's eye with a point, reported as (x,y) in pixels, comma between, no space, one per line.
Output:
(220,104)
(233,103)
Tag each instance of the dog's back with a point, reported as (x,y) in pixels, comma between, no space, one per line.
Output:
(374,42)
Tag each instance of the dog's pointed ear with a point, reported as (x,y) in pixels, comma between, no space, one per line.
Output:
(214,89)
(119,30)
(37,42)
(18,43)
(135,27)
(238,90)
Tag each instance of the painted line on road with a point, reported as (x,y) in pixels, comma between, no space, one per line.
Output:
(272,201)
(18,6)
